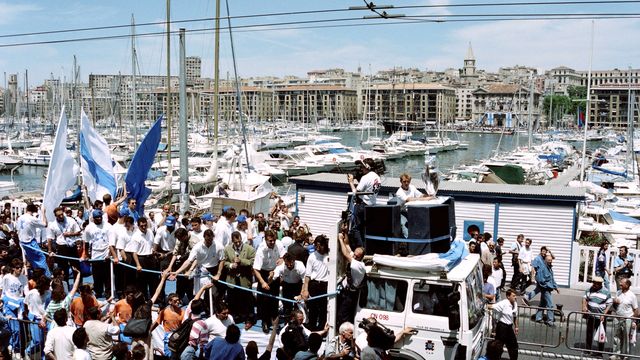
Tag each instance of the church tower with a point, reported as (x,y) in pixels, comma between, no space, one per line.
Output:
(468,73)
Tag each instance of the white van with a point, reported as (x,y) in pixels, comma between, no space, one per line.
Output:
(445,308)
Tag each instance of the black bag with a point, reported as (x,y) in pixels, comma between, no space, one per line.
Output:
(293,339)
(179,339)
(137,328)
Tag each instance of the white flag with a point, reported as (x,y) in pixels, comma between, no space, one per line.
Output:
(97,166)
(63,170)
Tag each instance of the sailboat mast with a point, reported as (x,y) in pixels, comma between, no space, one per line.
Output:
(587,109)
(168,115)
(216,83)
(184,165)
(134,96)
(630,153)
(26,92)
(530,106)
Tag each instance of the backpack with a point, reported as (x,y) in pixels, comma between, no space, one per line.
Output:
(179,339)
(293,339)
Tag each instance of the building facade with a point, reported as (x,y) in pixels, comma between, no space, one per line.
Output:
(494,104)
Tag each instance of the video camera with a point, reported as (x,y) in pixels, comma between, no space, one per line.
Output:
(376,165)
(380,335)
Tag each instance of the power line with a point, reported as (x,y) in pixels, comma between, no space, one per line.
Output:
(407,20)
(325,11)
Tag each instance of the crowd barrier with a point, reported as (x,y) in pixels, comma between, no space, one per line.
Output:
(24,338)
(576,338)
(251,290)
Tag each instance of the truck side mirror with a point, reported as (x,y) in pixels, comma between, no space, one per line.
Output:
(454,310)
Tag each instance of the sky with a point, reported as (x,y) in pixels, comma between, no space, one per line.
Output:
(294,49)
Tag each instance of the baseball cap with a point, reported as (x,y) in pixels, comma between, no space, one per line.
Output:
(207,217)
(367,163)
(170,221)
(124,211)
(97,213)
(241,218)
(225,208)
(597,279)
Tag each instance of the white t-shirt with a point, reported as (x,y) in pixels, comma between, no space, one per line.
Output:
(56,229)
(36,302)
(14,287)
(27,226)
(358,270)
(266,258)
(628,303)
(216,327)
(60,342)
(504,311)
(98,237)
(412,192)
(293,276)
(223,231)
(166,240)
(142,243)
(317,267)
(207,256)
(369,183)
(80,354)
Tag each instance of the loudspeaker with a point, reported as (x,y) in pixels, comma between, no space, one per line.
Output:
(428,222)
(383,221)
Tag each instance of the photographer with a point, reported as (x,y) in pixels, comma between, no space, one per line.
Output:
(368,183)
(382,339)
(294,336)
(342,346)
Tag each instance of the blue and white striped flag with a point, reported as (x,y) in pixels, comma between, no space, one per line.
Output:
(62,173)
(97,165)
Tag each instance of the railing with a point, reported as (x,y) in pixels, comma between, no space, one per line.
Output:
(25,337)
(537,334)
(576,335)
(583,265)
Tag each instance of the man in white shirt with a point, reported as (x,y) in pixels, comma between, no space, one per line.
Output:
(126,247)
(224,226)
(66,234)
(353,282)
(165,241)
(368,183)
(506,313)
(207,259)
(96,236)
(407,192)
(525,257)
(220,321)
(268,256)
(625,304)
(316,282)
(28,226)
(59,343)
(142,241)
(290,274)
(196,228)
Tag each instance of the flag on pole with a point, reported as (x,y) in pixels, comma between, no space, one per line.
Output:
(141,164)
(63,170)
(580,117)
(97,166)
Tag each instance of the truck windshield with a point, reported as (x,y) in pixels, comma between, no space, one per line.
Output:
(431,299)
(475,302)
(386,294)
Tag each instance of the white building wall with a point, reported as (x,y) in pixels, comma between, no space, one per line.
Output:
(321,210)
(475,211)
(550,226)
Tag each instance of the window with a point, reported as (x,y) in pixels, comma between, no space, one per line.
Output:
(475,302)
(386,294)
(431,299)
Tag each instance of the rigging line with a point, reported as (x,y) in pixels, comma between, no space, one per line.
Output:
(251,28)
(568,15)
(324,11)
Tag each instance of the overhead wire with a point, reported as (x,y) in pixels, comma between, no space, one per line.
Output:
(325,11)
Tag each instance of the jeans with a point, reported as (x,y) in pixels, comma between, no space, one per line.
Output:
(190,353)
(546,301)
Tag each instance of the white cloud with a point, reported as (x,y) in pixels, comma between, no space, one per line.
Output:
(546,44)
(13,12)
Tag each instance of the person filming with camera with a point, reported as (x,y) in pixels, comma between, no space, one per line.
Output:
(376,339)
(369,184)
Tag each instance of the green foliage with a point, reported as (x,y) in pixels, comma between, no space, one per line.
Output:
(577,92)
(591,239)
(566,104)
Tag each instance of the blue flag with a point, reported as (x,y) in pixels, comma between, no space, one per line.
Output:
(141,164)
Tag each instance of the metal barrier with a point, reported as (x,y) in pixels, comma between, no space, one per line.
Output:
(537,334)
(25,337)
(576,336)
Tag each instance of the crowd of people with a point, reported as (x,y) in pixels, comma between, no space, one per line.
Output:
(214,261)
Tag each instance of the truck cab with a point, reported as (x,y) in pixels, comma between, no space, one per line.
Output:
(445,309)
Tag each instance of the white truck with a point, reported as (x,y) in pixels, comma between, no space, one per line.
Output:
(445,308)
(439,295)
